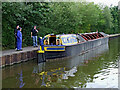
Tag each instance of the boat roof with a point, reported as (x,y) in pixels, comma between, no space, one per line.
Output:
(57,35)
(75,34)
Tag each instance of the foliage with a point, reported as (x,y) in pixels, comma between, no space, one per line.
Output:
(26,15)
(55,17)
(119,21)
(114,12)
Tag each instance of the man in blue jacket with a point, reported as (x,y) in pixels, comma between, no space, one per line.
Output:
(19,39)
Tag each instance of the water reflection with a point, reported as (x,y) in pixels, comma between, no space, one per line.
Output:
(70,68)
(49,76)
(20,83)
(94,69)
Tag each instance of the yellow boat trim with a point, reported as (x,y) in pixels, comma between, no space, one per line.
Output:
(40,51)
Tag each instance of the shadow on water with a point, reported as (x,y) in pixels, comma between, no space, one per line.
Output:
(84,71)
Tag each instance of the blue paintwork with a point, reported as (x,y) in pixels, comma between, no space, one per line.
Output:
(52,45)
(41,43)
(55,48)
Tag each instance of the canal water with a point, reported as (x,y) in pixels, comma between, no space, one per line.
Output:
(97,68)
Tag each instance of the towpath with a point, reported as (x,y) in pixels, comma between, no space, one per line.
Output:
(13,51)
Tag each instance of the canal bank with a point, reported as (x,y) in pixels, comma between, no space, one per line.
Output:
(10,57)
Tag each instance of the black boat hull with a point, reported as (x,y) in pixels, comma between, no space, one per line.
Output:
(73,50)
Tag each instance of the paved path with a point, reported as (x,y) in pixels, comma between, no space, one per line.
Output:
(13,51)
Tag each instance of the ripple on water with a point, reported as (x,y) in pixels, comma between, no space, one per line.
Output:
(105,80)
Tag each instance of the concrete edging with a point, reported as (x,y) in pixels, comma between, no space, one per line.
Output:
(17,58)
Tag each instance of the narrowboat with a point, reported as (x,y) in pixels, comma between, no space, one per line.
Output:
(67,45)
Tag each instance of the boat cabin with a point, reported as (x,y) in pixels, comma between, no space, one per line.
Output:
(70,39)
(52,40)
(64,39)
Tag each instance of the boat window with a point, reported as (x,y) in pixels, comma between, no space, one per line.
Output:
(52,40)
(46,42)
(57,42)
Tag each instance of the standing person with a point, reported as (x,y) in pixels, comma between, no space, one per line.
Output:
(19,39)
(34,32)
(15,33)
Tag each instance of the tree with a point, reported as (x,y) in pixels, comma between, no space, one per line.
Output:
(108,20)
(57,18)
(114,12)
